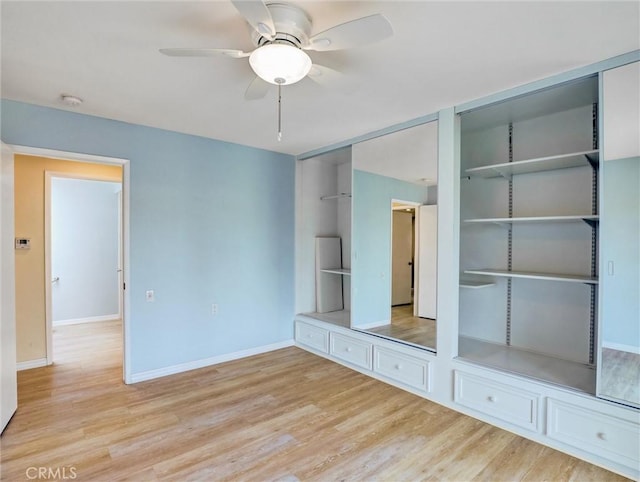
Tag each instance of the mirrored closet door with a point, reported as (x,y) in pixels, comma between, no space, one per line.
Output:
(619,374)
(394,207)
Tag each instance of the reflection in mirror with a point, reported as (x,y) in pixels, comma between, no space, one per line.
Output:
(619,373)
(413,241)
(394,236)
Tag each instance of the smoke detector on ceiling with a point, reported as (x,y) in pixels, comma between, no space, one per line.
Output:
(70,100)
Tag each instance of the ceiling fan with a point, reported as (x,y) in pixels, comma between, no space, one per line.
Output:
(281,33)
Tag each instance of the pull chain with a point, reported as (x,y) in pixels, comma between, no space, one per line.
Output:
(279,112)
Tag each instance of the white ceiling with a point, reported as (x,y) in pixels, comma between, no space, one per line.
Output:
(442,54)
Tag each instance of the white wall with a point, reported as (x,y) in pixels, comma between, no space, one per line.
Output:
(84,249)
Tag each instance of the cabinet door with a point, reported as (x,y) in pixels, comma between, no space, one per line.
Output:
(621,106)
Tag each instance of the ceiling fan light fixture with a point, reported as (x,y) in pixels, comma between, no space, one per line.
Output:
(280,64)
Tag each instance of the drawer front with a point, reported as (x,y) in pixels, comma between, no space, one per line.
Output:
(406,369)
(356,352)
(509,404)
(616,439)
(312,336)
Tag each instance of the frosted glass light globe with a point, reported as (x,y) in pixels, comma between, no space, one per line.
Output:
(280,64)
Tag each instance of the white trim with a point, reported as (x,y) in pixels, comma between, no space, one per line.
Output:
(67,156)
(91,319)
(205,362)
(126,183)
(621,347)
(48,176)
(29,364)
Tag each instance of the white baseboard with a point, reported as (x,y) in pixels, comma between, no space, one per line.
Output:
(621,347)
(375,324)
(91,319)
(184,367)
(29,364)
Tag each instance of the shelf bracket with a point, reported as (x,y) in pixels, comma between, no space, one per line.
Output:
(508,177)
(593,162)
(591,222)
(336,196)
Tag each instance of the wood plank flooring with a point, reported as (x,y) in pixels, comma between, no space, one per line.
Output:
(406,327)
(286,415)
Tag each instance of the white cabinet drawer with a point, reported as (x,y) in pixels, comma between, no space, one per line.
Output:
(509,404)
(406,369)
(352,350)
(312,336)
(603,435)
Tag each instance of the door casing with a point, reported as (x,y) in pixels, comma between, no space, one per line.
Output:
(125,163)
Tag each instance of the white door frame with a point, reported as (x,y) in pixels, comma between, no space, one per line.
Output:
(416,257)
(79,157)
(48,272)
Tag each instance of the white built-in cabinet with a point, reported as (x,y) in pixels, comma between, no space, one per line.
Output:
(524,349)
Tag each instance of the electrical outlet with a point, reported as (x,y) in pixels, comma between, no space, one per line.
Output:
(214,309)
(150,296)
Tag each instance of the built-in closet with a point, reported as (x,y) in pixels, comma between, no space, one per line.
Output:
(529,234)
(323,221)
(538,266)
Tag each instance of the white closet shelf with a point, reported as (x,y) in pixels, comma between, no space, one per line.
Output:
(534,275)
(579,376)
(563,161)
(336,196)
(342,271)
(474,284)
(590,219)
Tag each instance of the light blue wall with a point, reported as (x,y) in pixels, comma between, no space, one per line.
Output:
(620,239)
(84,248)
(211,222)
(371,242)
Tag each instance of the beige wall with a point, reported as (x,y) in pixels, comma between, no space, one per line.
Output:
(29,223)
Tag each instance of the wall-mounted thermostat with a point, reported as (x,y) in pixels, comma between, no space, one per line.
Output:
(23,243)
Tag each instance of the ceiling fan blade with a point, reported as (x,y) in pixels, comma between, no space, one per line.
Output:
(257,89)
(355,33)
(257,14)
(236,54)
(324,75)
(330,78)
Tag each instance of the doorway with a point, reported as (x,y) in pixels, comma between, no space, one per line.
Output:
(403,255)
(65,163)
(83,243)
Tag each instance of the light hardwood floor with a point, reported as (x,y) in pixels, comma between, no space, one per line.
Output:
(285,415)
(406,327)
